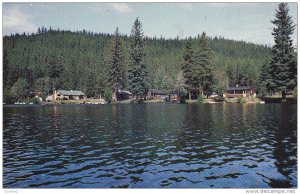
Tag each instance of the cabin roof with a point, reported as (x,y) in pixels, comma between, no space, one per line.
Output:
(71,92)
(239,88)
(124,92)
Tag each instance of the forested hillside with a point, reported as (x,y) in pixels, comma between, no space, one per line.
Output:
(83,61)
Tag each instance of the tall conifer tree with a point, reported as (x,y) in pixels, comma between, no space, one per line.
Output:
(138,73)
(283,65)
(264,79)
(55,72)
(187,65)
(202,68)
(117,69)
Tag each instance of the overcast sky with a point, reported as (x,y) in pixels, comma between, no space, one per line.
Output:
(239,21)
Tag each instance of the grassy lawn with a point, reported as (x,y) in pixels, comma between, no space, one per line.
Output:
(191,101)
(267,99)
(72,101)
(205,100)
(278,96)
(243,100)
(154,101)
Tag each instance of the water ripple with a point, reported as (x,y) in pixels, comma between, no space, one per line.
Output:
(150,146)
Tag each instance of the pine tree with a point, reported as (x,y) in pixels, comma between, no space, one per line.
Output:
(117,69)
(180,87)
(187,64)
(42,85)
(20,89)
(91,84)
(29,57)
(220,81)
(264,79)
(55,72)
(5,68)
(138,73)
(202,68)
(283,61)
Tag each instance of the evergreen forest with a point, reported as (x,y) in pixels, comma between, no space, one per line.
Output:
(81,61)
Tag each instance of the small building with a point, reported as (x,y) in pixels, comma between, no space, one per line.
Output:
(124,95)
(240,91)
(156,94)
(69,95)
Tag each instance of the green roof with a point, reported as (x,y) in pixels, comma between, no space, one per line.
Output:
(71,92)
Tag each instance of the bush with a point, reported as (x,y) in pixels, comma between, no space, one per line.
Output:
(34,100)
(235,100)
(166,100)
(107,95)
(140,100)
(200,99)
(182,100)
(218,99)
(241,100)
(137,101)
(9,97)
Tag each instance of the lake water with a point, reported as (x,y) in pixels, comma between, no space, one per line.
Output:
(150,146)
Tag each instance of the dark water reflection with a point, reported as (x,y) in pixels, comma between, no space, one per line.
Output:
(151,146)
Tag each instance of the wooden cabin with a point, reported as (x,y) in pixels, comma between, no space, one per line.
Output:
(69,95)
(240,92)
(156,94)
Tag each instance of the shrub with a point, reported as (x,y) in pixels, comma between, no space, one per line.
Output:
(241,100)
(107,95)
(182,100)
(140,100)
(34,100)
(200,99)
(9,97)
(166,100)
(218,99)
(233,100)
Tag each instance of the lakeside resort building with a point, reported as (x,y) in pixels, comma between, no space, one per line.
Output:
(156,94)
(240,92)
(67,95)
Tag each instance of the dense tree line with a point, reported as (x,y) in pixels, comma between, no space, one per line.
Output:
(83,60)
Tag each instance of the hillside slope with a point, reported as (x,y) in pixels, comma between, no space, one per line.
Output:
(84,56)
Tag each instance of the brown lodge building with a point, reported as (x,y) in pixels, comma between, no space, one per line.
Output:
(240,92)
(69,95)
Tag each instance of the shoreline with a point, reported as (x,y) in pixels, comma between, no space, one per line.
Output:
(145,103)
(253,100)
